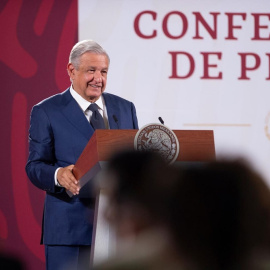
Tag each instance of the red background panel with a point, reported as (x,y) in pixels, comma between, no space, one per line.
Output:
(36,38)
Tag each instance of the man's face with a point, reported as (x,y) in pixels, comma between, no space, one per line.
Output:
(90,79)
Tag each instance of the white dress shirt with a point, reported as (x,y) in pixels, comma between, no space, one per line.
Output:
(84,104)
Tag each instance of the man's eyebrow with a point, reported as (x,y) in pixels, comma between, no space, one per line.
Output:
(103,68)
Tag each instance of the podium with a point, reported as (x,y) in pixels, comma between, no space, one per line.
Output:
(195,146)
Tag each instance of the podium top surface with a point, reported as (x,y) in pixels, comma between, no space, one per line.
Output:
(195,145)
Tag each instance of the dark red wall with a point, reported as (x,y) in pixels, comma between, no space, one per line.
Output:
(36,37)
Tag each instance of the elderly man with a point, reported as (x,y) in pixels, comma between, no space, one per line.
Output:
(60,128)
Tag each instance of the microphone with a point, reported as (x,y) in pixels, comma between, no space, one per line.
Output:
(161,120)
(115,120)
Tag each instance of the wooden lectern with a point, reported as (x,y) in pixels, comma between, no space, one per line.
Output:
(195,145)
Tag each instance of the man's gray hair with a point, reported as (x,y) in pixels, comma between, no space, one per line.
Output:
(82,47)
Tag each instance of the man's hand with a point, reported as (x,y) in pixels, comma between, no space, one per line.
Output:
(67,180)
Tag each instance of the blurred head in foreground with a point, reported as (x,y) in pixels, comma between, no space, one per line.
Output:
(215,215)
(138,183)
(220,216)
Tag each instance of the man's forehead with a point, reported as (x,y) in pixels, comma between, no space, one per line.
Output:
(94,55)
(94,60)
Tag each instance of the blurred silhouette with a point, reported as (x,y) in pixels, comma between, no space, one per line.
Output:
(138,186)
(8,262)
(220,217)
(213,215)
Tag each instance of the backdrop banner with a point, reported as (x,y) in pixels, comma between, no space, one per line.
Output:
(197,64)
(36,40)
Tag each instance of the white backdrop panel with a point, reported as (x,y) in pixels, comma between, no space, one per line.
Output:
(236,109)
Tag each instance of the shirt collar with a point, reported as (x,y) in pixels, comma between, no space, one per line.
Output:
(84,104)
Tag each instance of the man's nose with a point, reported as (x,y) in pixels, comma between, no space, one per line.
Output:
(97,76)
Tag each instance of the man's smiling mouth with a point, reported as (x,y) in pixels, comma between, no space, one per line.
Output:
(95,86)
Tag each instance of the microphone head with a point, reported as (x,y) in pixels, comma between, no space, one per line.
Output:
(161,120)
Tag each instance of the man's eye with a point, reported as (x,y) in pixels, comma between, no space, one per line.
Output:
(91,70)
(104,72)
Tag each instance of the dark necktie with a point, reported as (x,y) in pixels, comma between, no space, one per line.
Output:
(97,121)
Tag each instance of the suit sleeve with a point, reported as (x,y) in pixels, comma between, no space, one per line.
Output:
(41,166)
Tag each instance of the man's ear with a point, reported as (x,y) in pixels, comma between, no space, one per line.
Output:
(70,70)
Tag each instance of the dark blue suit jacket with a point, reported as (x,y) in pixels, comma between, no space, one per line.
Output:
(58,133)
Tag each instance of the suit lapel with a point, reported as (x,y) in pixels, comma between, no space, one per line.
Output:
(75,116)
(112,109)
